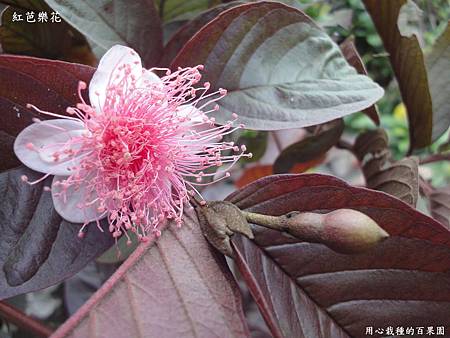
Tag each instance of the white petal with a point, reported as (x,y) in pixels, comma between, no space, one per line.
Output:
(108,69)
(47,137)
(147,78)
(72,208)
(194,115)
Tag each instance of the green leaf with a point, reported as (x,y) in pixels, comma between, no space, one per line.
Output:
(51,40)
(422,93)
(339,18)
(131,23)
(280,69)
(444,147)
(309,148)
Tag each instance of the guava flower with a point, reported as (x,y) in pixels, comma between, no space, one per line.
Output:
(137,152)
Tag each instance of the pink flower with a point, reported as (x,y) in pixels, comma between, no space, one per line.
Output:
(137,152)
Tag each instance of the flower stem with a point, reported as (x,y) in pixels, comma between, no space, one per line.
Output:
(435,158)
(343,144)
(21,320)
(425,187)
(271,222)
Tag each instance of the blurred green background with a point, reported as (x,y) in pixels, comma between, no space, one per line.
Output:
(349,18)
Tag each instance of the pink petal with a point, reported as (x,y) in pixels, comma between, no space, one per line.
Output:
(36,144)
(71,205)
(108,68)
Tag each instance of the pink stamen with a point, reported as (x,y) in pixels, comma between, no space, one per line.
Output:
(138,152)
(24,178)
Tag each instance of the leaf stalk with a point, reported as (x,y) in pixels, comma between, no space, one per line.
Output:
(21,320)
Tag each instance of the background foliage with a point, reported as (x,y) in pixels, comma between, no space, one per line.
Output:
(404,162)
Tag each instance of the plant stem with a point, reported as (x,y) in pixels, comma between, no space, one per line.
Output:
(256,292)
(271,222)
(277,141)
(302,225)
(21,320)
(343,144)
(162,3)
(435,158)
(425,187)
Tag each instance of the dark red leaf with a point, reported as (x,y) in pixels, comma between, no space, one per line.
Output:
(408,63)
(351,54)
(316,292)
(37,247)
(49,85)
(256,292)
(440,204)
(178,286)
(397,178)
(41,39)
(252,174)
(311,148)
(188,30)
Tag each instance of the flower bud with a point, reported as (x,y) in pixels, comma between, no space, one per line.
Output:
(343,230)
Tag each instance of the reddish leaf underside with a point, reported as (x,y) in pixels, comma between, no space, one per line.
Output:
(177,286)
(280,69)
(313,291)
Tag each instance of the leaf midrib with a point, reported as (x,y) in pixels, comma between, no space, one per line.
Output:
(294,282)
